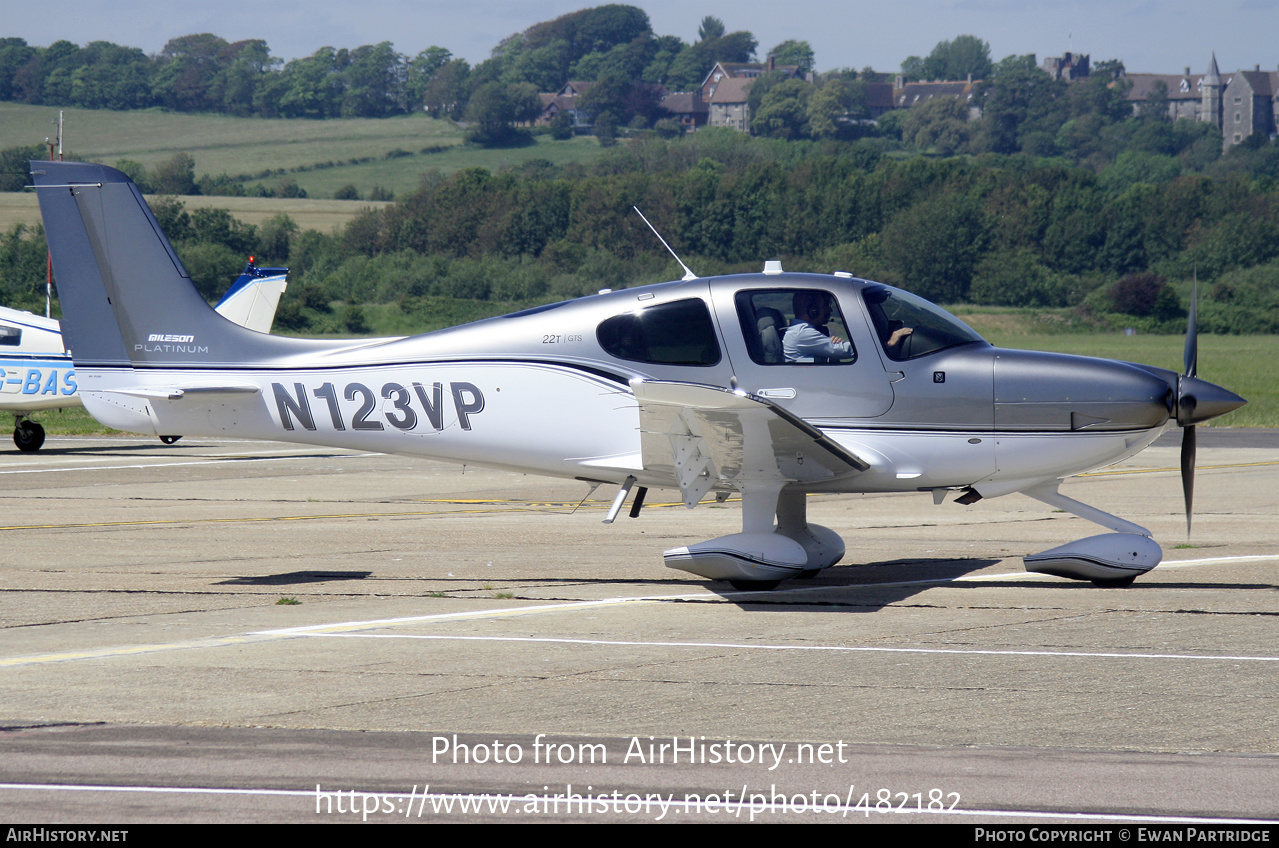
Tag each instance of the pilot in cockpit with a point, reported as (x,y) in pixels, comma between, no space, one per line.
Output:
(807,339)
(892,332)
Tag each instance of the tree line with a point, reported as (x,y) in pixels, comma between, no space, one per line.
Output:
(1002,229)
(1057,196)
(613,44)
(205,73)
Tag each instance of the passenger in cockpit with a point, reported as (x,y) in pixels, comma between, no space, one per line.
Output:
(808,340)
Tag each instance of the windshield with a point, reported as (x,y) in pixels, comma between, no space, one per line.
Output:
(909,326)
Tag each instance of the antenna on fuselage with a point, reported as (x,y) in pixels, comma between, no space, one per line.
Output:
(688,274)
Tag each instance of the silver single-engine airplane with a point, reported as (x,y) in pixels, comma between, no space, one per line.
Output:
(773,385)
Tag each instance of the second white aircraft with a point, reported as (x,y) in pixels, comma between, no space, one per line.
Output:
(36,372)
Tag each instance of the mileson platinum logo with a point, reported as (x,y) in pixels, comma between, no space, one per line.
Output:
(169,343)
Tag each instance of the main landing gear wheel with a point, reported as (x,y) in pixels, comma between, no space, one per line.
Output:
(28,436)
(168,440)
(1116,583)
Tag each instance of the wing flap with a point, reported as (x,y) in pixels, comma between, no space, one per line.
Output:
(704,436)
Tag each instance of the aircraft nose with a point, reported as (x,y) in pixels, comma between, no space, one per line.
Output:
(1199,400)
(1052,391)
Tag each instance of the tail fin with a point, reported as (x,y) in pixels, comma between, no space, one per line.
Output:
(253,298)
(126,297)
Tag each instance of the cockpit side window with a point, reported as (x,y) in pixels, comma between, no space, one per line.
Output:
(794,327)
(676,333)
(909,326)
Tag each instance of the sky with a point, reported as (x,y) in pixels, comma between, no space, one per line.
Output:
(1151,36)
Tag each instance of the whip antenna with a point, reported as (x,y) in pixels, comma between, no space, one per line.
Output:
(688,274)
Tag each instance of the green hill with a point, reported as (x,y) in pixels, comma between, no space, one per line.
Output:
(322,156)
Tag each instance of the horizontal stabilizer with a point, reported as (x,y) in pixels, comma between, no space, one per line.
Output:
(178,392)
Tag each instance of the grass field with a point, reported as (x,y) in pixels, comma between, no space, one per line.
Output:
(403,174)
(322,215)
(223,144)
(220,143)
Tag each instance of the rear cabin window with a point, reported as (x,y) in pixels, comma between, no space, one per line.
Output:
(781,328)
(675,333)
(10,336)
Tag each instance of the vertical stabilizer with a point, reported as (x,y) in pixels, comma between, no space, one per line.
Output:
(126,297)
(76,252)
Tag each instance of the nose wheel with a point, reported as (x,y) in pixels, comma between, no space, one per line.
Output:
(28,436)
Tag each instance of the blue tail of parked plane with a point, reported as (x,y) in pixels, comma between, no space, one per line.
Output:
(254,296)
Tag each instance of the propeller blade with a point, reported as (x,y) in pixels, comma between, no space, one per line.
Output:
(1188,471)
(1192,332)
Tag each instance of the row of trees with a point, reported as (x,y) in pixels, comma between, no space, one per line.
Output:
(1022,109)
(173,176)
(205,73)
(1025,110)
(212,243)
(612,44)
(1005,230)
(1011,230)
(925,224)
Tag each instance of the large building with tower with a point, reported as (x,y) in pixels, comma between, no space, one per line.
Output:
(1238,104)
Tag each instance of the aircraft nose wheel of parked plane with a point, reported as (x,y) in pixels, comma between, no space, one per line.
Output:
(28,435)
(168,440)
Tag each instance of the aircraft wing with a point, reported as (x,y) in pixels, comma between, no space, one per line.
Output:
(704,436)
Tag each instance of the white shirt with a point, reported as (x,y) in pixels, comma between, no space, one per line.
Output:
(805,343)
